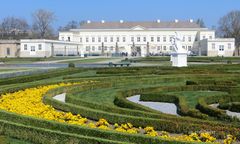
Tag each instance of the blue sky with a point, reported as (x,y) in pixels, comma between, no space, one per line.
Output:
(128,10)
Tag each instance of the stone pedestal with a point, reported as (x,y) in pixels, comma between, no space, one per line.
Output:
(82,54)
(179,59)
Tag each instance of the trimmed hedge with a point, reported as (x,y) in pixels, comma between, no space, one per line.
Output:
(43,136)
(79,130)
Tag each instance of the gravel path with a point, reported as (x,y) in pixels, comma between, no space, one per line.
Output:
(168,108)
(229,113)
(60,97)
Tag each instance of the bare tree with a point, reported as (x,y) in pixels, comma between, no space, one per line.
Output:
(12,24)
(229,26)
(71,25)
(201,23)
(42,20)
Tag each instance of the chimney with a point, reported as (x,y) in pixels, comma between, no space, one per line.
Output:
(191,20)
(121,21)
(158,21)
(103,21)
(88,21)
(176,20)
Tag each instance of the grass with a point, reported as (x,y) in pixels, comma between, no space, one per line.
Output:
(123,79)
(193,96)
(90,60)
(9,140)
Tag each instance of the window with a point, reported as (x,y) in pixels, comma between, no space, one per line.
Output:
(105,48)
(189,47)
(158,48)
(210,37)
(93,48)
(132,39)
(105,39)
(99,48)
(164,48)
(111,39)
(80,39)
(164,39)
(40,47)
(152,39)
(204,37)
(87,39)
(213,46)
(158,39)
(138,39)
(189,39)
(183,47)
(8,51)
(93,39)
(229,46)
(124,39)
(99,39)
(33,48)
(62,38)
(144,39)
(170,47)
(221,47)
(118,39)
(87,48)
(25,47)
(183,38)
(111,48)
(69,39)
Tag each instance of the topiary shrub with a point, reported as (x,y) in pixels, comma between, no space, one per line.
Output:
(71,65)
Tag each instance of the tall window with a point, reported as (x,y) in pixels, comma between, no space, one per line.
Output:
(87,48)
(210,37)
(229,46)
(158,39)
(25,47)
(152,39)
(40,47)
(99,47)
(8,51)
(132,39)
(105,39)
(213,46)
(111,39)
(118,39)
(183,38)
(138,39)
(144,39)
(170,47)
(124,39)
(189,47)
(164,39)
(99,39)
(93,48)
(69,39)
(80,39)
(33,48)
(164,48)
(221,47)
(87,39)
(111,48)
(189,39)
(93,39)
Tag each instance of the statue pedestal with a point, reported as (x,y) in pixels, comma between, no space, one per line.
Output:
(179,59)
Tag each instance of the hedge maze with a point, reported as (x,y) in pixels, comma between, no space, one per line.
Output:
(96,109)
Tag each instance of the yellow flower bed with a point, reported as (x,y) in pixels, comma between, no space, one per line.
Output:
(29,102)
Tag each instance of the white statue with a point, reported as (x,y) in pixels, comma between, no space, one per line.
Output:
(177,44)
(179,54)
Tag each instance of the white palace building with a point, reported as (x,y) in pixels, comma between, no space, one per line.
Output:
(130,39)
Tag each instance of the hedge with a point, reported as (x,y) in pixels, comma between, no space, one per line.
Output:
(79,130)
(43,136)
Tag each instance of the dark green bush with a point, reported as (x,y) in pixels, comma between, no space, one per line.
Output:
(71,65)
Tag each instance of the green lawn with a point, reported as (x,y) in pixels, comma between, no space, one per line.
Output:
(90,60)
(9,140)
(192,96)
